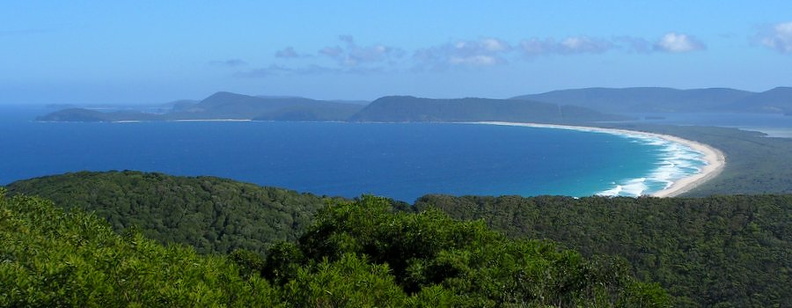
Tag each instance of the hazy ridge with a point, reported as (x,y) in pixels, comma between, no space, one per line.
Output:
(655,99)
(562,106)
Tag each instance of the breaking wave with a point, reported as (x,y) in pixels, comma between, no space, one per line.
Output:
(674,161)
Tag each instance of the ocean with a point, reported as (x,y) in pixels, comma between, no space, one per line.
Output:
(398,160)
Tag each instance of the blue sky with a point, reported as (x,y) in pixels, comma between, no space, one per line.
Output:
(128,52)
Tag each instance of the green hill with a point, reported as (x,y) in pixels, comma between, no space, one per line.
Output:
(226,105)
(414,109)
(210,214)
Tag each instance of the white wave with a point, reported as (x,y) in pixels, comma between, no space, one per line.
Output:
(613,192)
(674,161)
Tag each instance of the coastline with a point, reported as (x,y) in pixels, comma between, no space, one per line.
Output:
(714,158)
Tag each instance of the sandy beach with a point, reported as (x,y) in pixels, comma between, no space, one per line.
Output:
(715,160)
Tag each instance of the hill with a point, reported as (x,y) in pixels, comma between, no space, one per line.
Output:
(646,99)
(210,214)
(778,100)
(637,100)
(721,251)
(414,109)
(223,105)
(226,105)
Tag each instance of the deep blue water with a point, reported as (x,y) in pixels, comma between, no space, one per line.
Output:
(401,161)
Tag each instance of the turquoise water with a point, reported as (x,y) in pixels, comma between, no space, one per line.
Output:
(402,161)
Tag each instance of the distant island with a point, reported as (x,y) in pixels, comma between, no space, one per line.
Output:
(576,106)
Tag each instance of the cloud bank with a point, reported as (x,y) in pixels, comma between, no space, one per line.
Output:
(349,57)
(467,53)
(568,46)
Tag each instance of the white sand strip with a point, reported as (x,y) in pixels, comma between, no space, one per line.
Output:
(715,160)
(213,120)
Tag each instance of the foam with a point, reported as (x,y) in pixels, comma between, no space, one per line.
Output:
(675,161)
(682,164)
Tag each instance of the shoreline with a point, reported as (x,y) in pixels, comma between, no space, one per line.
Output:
(715,159)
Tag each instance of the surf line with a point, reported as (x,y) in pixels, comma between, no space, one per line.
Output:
(676,181)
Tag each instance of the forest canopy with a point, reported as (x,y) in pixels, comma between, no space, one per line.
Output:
(718,250)
(356,254)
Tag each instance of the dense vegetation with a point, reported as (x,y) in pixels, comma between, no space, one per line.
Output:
(208,213)
(724,251)
(357,254)
(53,258)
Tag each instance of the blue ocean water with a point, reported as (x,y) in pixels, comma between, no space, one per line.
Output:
(402,161)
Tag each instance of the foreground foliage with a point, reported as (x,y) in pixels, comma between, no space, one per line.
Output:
(52,258)
(356,255)
(442,262)
(726,251)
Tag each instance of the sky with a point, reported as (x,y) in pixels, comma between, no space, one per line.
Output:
(150,52)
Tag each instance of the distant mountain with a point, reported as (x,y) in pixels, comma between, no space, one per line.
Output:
(643,99)
(224,105)
(778,100)
(562,106)
(414,109)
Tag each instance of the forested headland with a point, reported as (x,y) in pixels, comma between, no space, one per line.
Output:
(711,251)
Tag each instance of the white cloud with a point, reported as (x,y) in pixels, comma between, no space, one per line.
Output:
(582,44)
(353,55)
(634,44)
(569,45)
(347,57)
(779,37)
(477,60)
(467,53)
(677,42)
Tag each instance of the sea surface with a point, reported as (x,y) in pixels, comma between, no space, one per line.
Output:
(402,161)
